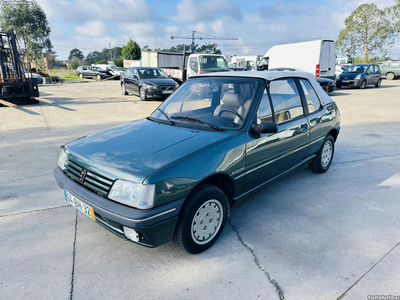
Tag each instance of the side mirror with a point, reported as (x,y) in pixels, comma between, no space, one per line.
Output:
(170,76)
(264,128)
(367,73)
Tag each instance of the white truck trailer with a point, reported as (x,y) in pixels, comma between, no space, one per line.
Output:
(316,57)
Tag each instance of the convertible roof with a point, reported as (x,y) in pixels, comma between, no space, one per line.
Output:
(273,75)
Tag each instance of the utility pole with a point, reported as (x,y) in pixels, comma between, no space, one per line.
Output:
(202,36)
(111,52)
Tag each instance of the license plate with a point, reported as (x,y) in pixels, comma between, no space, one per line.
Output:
(167,92)
(346,80)
(78,204)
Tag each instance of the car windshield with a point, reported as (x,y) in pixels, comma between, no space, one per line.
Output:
(152,73)
(115,68)
(209,103)
(355,69)
(96,69)
(212,63)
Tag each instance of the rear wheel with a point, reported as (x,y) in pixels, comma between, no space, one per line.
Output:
(202,219)
(142,94)
(363,84)
(323,160)
(80,75)
(390,76)
(378,84)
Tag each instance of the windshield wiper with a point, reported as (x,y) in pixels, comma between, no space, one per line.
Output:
(198,121)
(168,118)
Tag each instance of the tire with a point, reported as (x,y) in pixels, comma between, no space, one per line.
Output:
(80,75)
(378,84)
(323,160)
(363,84)
(142,94)
(123,89)
(98,77)
(206,204)
(390,76)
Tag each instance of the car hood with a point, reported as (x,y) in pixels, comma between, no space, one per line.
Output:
(349,75)
(137,149)
(159,81)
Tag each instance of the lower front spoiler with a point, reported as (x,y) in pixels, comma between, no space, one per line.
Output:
(155,226)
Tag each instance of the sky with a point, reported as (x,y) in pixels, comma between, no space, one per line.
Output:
(257,24)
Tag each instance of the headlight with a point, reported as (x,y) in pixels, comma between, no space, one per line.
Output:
(151,87)
(62,159)
(358,77)
(133,194)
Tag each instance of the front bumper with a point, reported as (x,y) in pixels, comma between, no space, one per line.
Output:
(150,93)
(349,83)
(156,226)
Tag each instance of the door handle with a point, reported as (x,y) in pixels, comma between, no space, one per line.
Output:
(304,127)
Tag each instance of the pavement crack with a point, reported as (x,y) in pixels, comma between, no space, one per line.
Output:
(71,292)
(358,280)
(258,263)
(33,211)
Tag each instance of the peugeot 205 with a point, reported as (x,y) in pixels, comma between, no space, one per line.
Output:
(218,139)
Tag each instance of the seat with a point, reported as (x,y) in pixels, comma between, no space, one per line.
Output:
(230,101)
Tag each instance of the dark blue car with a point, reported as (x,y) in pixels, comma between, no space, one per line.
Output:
(359,76)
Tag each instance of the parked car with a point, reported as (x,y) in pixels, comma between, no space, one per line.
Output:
(390,69)
(92,72)
(359,76)
(147,82)
(114,70)
(328,85)
(36,78)
(218,139)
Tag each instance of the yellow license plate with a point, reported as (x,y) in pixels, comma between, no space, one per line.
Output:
(79,205)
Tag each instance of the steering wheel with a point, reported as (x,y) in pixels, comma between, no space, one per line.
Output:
(231,111)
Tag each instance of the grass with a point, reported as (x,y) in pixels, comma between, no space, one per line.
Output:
(65,74)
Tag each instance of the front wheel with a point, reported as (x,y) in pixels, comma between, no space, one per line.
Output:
(98,77)
(142,94)
(363,84)
(202,219)
(123,89)
(378,84)
(323,160)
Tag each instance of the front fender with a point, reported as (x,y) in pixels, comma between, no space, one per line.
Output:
(178,179)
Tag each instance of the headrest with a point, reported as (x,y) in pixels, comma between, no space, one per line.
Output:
(231,99)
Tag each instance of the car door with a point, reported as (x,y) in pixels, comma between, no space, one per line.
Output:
(128,80)
(193,68)
(377,73)
(269,155)
(371,78)
(84,71)
(135,81)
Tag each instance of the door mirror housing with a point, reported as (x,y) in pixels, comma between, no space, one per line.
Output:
(264,128)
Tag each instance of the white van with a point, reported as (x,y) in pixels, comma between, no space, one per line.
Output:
(316,57)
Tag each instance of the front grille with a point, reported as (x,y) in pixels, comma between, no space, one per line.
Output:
(93,181)
(167,88)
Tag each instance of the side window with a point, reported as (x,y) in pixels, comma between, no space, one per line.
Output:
(194,65)
(370,69)
(312,99)
(385,66)
(377,69)
(395,65)
(286,100)
(264,113)
(84,68)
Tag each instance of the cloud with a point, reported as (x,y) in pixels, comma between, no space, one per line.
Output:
(206,10)
(218,26)
(94,28)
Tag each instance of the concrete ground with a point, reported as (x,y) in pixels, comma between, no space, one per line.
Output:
(307,236)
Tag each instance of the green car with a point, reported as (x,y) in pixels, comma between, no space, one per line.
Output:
(216,140)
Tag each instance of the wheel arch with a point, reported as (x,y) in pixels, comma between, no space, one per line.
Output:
(334,133)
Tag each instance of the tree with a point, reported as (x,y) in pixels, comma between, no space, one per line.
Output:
(76,53)
(131,51)
(74,63)
(119,62)
(31,27)
(368,31)
(394,13)
(208,48)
